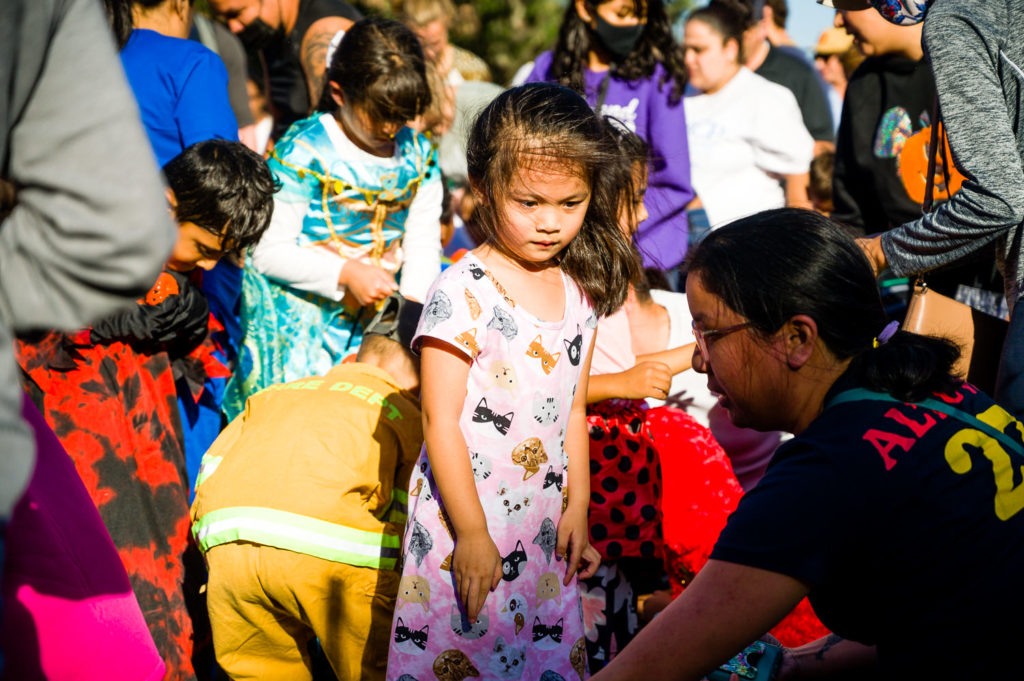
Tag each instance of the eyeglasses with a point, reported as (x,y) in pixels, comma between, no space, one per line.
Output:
(703,337)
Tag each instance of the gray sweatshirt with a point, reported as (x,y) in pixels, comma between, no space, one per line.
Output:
(90,229)
(976,48)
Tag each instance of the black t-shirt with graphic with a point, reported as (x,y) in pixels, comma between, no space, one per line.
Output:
(908,525)
(888,100)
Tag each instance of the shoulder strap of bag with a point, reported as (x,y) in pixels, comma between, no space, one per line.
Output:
(864,395)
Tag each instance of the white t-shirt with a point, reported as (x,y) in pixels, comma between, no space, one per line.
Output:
(749,451)
(739,138)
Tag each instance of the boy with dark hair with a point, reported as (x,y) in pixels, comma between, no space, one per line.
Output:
(301,506)
(108,391)
(224,189)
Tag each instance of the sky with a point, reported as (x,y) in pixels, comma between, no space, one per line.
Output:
(807,19)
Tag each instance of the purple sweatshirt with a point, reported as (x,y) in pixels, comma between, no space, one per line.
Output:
(646,110)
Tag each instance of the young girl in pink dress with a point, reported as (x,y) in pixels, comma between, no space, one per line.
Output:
(497,525)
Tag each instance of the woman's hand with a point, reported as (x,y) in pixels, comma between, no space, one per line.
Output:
(476,564)
(367,283)
(574,542)
(872,247)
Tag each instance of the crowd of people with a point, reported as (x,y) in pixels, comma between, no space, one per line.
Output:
(324,356)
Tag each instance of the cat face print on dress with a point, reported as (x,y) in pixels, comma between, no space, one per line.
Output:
(513,502)
(578,657)
(553,480)
(454,665)
(547,538)
(549,589)
(507,661)
(481,466)
(467,339)
(545,409)
(437,310)
(420,542)
(504,323)
(515,611)
(530,455)
(477,272)
(461,626)
(414,589)
(574,348)
(502,374)
(474,307)
(410,640)
(537,351)
(547,636)
(483,414)
(511,563)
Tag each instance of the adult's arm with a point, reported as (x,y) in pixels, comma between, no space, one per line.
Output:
(830,657)
(89,230)
(313,55)
(981,137)
(725,608)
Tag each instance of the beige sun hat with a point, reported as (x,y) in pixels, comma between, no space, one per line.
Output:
(833,41)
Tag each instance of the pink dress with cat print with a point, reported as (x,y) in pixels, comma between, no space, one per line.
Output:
(522,379)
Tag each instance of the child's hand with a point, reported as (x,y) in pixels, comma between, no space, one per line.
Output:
(589,562)
(573,542)
(646,379)
(367,283)
(477,567)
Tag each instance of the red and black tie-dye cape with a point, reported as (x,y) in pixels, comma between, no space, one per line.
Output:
(114,410)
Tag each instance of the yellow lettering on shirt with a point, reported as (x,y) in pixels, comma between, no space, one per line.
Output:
(341,386)
(361,391)
(1009,498)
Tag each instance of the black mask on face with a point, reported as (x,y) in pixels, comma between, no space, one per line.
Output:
(258,35)
(618,40)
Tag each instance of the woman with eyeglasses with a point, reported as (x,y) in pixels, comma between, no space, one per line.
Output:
(897,506)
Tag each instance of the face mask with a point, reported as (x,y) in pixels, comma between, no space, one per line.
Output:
(258,35)
(902,12)
(618,40)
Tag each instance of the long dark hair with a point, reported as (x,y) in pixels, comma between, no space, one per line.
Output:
(773,265)
(379,66)
(539,124)
(655,45)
